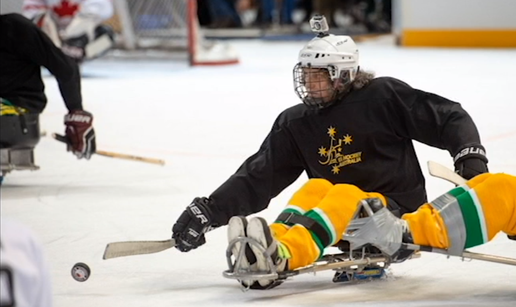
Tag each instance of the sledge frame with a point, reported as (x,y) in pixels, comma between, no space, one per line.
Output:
(17,159)
(345,262)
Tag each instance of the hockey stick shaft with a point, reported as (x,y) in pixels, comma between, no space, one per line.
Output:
(63,139)
(129,157)
(132,248)
(440,171)
(489,258)
(465,254)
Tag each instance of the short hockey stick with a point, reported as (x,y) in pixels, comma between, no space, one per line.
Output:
(465,254)
(440,171)
(63,139)
(131,248)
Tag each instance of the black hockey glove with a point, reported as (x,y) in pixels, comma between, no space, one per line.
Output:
(471,161)
(190,227)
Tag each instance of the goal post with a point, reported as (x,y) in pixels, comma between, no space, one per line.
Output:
(168,25)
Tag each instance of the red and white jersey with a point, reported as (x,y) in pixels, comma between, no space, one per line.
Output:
(64,11)
(24,277)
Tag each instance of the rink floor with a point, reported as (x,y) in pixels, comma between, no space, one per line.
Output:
(204,122)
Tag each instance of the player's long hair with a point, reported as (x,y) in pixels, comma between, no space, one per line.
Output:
(362,79)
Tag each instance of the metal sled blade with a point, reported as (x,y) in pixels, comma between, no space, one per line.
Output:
(131,248)
(313,268)
(340,265)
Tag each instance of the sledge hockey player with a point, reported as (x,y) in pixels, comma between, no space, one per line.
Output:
(74,25)
(351,128)
(24,276)
(320,213)
(24,49)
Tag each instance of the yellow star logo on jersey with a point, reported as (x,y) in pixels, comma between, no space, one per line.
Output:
(335,169)
(323,152)
(332,131)
(347,139)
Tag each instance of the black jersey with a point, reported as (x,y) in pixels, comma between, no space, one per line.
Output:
(24,48)
(365,140)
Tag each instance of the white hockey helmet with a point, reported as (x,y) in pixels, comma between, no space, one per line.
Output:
(336,56)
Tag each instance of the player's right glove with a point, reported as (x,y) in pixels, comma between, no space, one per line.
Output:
(80,134)
(190,227)
(471,161)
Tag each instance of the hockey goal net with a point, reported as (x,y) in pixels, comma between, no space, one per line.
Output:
(168,26)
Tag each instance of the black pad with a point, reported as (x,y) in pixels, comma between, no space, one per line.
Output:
(104,29)
(19,131)
(393,207)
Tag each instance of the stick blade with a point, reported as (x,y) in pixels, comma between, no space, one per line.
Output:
(440,171)
(131,248)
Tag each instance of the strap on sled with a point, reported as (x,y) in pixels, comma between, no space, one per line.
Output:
(290,219)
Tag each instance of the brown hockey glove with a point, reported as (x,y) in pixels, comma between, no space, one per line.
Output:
(80,134)
(471,161)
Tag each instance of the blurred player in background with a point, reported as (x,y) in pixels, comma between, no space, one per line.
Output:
(24,276)
(74,25)
(24,50)
(350,128)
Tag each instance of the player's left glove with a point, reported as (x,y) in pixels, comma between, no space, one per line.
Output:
(190,227)
(471,161)
(80,134)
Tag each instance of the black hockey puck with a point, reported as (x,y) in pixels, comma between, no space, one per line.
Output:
(81,272)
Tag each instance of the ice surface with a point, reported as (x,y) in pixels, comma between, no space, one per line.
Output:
(204,122)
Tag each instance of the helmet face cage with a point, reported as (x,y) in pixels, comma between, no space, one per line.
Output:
(320,87)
